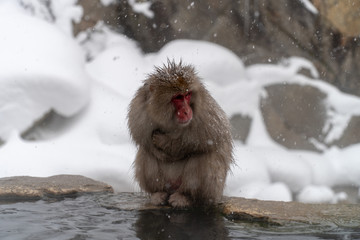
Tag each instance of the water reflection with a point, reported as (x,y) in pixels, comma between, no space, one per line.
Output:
(181,224)
(98,217)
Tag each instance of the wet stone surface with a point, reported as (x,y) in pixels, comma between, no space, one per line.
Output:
(342,215)
(263,212)
(128,216)
(18,189)
(33,188)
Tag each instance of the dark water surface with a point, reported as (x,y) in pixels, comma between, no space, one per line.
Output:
(86,218)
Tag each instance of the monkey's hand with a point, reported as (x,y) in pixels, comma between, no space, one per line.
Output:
(167,146)
(160,140)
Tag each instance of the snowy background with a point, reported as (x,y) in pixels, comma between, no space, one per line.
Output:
(44,71)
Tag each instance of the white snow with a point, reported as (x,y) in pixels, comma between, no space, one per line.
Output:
(320,194)
(65,12)
(107,2)
(43,69)
(309,6)
(141,7)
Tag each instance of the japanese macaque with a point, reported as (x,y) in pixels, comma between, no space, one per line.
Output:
(183,138)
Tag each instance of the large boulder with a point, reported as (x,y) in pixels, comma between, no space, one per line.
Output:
(341,15)
(240,127)
(294,115)
(297,117)
(257,31)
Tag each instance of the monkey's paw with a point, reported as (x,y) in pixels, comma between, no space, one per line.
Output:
(179,200)
(159,198)
(159,139)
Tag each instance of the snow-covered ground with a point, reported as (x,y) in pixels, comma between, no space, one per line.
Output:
(43,68)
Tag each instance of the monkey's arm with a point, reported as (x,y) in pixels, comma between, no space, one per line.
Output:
(176,147)
(166,146)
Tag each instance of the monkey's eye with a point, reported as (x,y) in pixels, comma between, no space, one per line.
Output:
(188,95)
(182,97)
(178,97)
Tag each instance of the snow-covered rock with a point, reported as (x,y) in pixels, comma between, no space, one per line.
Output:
(41,69)
(320,194)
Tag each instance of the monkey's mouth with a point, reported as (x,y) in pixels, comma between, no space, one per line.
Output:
(184,116)
(184,122)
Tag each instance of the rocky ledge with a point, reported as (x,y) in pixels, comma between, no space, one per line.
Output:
(344,215)
(33,188)
(269,212)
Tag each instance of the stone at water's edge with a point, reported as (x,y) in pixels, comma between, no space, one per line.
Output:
(344,215)
(30,188)
(271,212)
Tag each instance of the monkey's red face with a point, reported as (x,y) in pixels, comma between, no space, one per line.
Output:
(183,111)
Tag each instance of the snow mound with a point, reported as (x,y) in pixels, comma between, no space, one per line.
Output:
(320,194)
(122,66)
(222,66)
(41,69)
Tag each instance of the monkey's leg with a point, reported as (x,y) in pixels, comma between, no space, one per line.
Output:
(179,200)
(147,172)
(204,178)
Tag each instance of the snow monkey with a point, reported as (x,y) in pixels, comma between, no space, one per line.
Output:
(183,138)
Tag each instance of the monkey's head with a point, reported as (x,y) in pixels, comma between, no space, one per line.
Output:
(173,94)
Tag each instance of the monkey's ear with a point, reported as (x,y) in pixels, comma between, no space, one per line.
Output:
(149,87)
